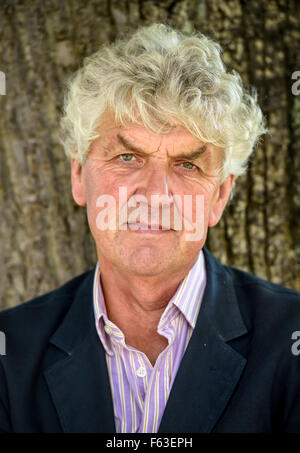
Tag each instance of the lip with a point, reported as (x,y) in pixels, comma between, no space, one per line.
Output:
(148,229)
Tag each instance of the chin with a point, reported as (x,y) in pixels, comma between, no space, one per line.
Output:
(148,261)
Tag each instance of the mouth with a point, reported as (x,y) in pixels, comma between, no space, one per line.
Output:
(148,228)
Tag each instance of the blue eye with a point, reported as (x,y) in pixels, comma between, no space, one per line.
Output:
(127,157)
(189,165)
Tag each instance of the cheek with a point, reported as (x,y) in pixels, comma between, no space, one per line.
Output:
(197,200)
(195,186)
(98,185)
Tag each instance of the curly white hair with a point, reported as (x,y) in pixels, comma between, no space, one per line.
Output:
(160,78)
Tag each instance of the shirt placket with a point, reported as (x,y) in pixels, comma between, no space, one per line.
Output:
(138,372)
(142,378)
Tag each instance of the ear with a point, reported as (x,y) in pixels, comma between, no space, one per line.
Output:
(78,188)
(220,200)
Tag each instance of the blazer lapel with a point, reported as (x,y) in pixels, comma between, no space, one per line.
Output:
(210,369)
(79,383)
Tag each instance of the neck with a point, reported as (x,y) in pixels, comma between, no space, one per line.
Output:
(135,295)
(135,304)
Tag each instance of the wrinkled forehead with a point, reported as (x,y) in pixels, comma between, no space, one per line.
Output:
(139,138)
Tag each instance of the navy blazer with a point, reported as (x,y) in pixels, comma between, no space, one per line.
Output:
(238,374)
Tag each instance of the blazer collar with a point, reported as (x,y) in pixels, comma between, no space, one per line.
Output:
(210,369)
(78,381)
(220,301)
(207,376)
(79,320)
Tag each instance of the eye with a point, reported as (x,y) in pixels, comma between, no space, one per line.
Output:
(188,165)
(127,157)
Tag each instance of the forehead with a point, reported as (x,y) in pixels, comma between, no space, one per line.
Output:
(144,138)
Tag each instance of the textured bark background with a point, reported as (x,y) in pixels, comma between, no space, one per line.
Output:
(44,236)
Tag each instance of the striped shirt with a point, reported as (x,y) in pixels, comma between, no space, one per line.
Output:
(139,390)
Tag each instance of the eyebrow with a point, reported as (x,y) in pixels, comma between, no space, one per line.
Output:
(190,156)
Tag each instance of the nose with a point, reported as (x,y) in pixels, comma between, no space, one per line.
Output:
(156,182)
(155,187)
(158,195)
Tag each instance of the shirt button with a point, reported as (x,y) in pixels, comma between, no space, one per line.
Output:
(107,329)
(141,371)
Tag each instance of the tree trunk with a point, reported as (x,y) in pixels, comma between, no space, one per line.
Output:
(45,238)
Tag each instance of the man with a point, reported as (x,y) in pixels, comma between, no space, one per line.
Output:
(159,337)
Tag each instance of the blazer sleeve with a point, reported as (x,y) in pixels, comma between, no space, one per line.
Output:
(292,419)
(290,382)
(5,425)
(292,424)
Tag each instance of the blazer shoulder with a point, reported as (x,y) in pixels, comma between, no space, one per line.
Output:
(245,279)
(55,301)
(264,303)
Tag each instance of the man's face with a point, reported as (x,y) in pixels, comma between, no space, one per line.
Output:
(145,164)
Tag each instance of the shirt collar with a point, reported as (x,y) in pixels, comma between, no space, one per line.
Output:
(189,293)
(187,300)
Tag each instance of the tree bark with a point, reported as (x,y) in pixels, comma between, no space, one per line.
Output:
(45,237)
